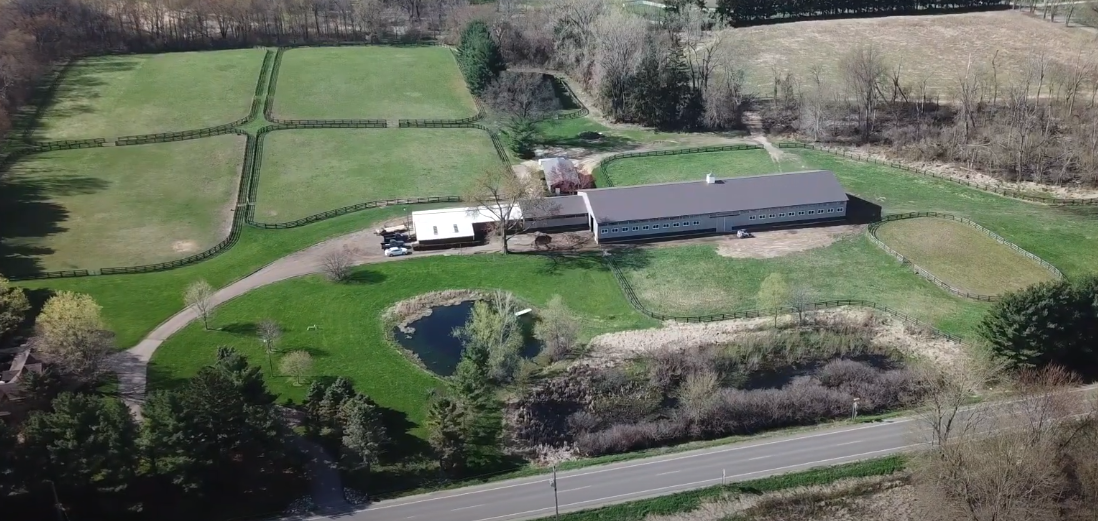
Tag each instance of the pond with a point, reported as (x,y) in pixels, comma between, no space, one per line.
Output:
(432,338)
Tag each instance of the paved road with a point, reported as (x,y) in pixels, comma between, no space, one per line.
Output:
(532,498)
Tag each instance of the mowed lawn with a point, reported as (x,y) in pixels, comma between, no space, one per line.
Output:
(111,96)
(371,82)
(119,206)
(961,255)
(349,339)
(306,172)
(696,280)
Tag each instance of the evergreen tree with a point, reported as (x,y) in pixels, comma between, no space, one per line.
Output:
(84,441)
(1050,323)
(363,432)
(445,422)
(247,378)
(479,57)
(10,478)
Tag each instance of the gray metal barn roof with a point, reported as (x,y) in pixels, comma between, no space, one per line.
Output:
(660,201)
(554,206)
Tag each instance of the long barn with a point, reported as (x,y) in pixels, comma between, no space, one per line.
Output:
(713,206)
(631,213)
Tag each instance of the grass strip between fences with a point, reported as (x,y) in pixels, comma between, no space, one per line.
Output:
(871,232)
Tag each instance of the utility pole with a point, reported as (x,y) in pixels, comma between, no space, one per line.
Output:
(556,502)
(854,413)
(56,502)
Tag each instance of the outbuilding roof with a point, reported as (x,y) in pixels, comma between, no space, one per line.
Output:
(554,207)
(666,200)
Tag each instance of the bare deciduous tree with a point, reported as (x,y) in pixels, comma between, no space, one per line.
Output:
(269,333)
(801,298)
(199,296)
(557,329)
(337,264)
(863,69)
(1008,464)
(618,52)
(499,192)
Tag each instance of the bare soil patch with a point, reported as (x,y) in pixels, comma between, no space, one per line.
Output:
(611,348)
(184,246)
(777,243)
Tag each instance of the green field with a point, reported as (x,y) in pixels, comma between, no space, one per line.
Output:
(119,206)
(696,280)
(113,96)
(134,304)
(372,82)
(349,340)
(961,255)
(1064,236)
(311,171)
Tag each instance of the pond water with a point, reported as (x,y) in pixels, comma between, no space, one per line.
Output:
(432,339)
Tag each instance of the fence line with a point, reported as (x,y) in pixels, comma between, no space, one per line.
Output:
(605,164)
(355,208)
(638,305)
(871,232)
(246,174)
(1014,194)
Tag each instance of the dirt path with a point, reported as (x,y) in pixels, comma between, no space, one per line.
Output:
(132,365)
(755,127)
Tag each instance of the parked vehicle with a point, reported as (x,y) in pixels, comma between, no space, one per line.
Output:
(391,229)
(397,251)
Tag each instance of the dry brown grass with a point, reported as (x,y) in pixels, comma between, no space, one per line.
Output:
(938,48)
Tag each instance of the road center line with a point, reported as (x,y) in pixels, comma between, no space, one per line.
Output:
(669,472)
(465,508)
(575,489)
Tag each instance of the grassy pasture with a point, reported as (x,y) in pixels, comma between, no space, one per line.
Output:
(110,96)
(961,255)
(350,341)
(371,82)
(695,279)
(938,48)
(134,304)
(311,171)
(118,206)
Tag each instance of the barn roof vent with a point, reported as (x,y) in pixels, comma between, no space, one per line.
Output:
(709,179)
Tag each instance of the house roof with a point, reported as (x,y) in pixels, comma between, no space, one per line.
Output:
(554,206)
(665,200)
(559,169)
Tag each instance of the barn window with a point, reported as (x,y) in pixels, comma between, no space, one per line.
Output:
(810,212)
(800,212)
(697,223)
(604,230)
(646,227)
(666,225)
(636,228)
(771,216)
(435,229)
(752,217)
(676,225)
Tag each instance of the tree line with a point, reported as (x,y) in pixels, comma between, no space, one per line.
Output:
(748,12)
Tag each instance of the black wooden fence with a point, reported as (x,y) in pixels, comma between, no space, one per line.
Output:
(871,232)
